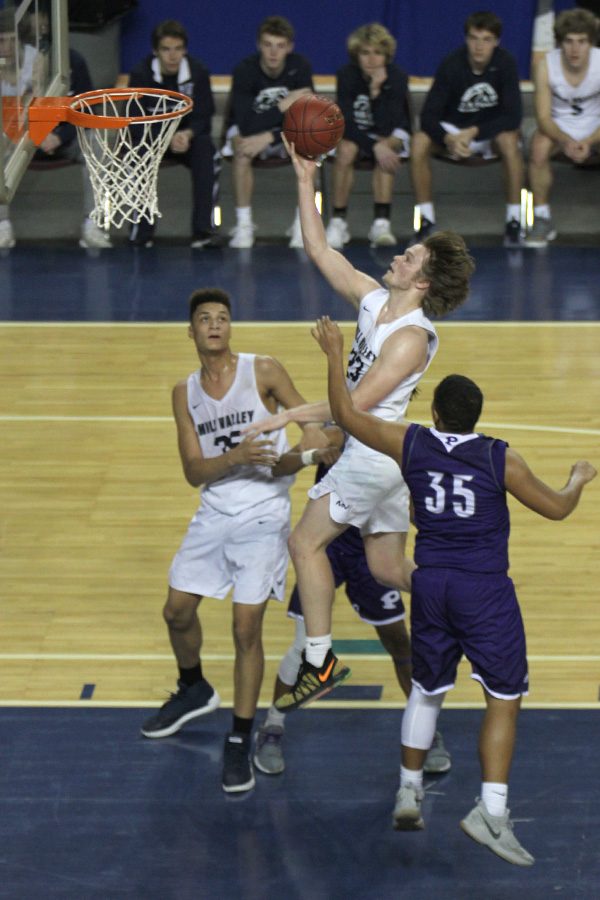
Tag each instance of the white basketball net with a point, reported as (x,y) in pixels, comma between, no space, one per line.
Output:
(123,162)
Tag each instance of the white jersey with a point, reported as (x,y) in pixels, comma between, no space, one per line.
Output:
(366,487)
(368,341)
(575,109)
(219,425)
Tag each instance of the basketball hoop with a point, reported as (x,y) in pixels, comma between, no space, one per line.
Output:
(123,134)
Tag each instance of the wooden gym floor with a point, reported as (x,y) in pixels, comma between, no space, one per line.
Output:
(94,505)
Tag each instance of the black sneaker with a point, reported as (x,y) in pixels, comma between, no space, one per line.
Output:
(313,683)
(186,704)
(513,236)
(424,231)
(141,234)
(238,774)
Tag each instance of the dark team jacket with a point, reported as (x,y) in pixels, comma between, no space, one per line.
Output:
(254,95)
(491,100)
(459,500)
(197,86)
(366,118)
(80,83)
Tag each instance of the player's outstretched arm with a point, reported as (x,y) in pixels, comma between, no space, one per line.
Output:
(532,492)
(294,460)
(342,276)
(307,413)
(387,437)
(200,470)
(278,390)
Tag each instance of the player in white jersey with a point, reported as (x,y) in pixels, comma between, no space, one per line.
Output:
(567,108)
(237,538)
(394,344)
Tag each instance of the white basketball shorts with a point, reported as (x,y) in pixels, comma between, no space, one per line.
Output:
(365,489)
(247,552)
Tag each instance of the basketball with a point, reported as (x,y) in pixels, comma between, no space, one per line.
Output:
(314,125)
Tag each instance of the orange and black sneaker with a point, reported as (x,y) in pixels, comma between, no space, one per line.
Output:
(313,683)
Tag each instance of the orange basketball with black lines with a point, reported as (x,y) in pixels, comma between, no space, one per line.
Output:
(314,125)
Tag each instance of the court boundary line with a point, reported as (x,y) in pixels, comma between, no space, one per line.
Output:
(229,657)
(150,420)
(365,705)
(305,323)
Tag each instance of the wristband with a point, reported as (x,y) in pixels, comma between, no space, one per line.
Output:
(308,457)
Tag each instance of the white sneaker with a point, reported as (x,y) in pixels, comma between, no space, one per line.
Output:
(94,237)
(294,233)
(380,234)
(438,759)
(543,231)
(242,236)
(496,833)
(7,235)
(407,811)
(337,233)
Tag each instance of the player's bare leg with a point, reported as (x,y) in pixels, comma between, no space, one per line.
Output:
(249,657)
(497,738)
(185,632)
(320,670)
(507,145)
(540,170)
(308,544)
(488,822)
(386,559)
(383,185)
(343,172)
(243,180)
(420,167)
(394,638)
(195,696)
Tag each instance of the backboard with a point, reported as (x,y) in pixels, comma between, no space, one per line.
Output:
(34,62)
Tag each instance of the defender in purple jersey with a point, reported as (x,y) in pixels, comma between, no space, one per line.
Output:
(374,603)
(463,601)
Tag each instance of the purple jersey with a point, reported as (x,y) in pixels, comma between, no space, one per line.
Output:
(457,488)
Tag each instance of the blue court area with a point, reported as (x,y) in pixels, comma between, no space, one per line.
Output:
(274,283)
(93,810)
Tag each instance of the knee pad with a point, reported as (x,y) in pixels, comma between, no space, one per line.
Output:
(420,718)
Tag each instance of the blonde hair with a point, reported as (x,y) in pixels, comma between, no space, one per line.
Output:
(375,35)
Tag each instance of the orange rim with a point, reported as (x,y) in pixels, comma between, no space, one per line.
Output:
(116,94)
(46,112)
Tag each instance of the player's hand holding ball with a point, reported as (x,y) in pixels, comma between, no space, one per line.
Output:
(314,125)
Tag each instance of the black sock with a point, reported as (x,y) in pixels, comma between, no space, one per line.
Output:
(383,210)
(242,726)
(339,212)
(191,676)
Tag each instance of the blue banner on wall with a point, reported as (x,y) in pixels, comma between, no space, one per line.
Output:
(223,34)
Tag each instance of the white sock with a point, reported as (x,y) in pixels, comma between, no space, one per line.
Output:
(541,212)
(274,717)
(316,649)
(243,215)
(427,211)
(412,777)
(513,211)
(494,797)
